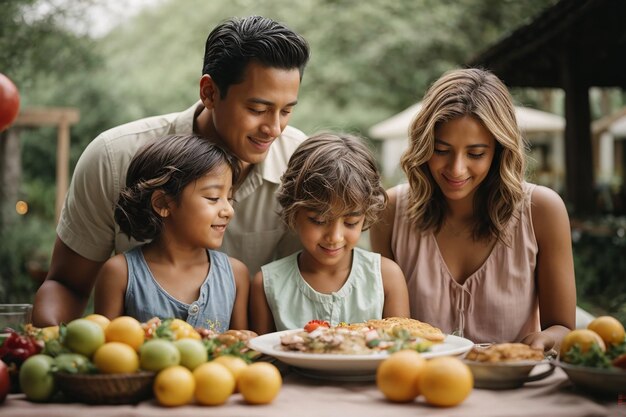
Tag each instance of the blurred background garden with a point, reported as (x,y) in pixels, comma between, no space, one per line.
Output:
(117,61)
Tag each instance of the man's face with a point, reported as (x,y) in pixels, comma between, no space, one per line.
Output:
(254,112)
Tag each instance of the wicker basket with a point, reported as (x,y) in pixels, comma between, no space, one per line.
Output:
(106,388)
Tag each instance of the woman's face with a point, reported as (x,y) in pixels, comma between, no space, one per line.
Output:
(464,151)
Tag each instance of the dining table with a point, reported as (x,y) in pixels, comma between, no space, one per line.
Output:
(302,396)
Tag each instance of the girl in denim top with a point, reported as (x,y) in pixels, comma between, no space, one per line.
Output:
(178,197)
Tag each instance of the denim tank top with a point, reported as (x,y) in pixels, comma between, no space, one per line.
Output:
(294,302)
(145,298)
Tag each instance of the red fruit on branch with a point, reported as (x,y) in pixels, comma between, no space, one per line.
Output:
(9,102)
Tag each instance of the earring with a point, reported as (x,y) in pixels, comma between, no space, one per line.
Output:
(163,212)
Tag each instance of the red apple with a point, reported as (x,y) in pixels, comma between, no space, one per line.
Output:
(9,102)
(5,381)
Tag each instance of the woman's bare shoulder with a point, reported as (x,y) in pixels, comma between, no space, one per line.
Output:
(549,213)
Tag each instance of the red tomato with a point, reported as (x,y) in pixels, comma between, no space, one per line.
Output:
(314,324)
(9,102)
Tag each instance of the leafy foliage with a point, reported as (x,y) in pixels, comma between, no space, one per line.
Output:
(599,246)
(24,240)
(594,357)
(369,59)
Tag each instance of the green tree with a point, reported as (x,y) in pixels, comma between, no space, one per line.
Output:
(47,62)
(369,59)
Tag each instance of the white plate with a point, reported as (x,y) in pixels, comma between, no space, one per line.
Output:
(345,366)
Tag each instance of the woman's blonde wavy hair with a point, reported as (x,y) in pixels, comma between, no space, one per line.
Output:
(479,94)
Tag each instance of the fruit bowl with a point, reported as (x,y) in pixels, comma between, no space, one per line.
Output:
(106,388)
(595,380)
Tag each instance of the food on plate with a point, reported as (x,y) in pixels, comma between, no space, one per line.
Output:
(391,334)
(415,328)
(505,352)
(314,324)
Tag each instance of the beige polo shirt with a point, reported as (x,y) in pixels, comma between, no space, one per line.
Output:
(255,236)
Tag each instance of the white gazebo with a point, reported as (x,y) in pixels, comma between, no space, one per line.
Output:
(544,131)
(609,134)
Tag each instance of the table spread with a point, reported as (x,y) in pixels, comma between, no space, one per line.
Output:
(554,396)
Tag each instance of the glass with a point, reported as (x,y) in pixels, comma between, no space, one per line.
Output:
(14,315)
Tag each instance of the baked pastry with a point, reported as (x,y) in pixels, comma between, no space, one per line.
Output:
(505,352)
(415,328)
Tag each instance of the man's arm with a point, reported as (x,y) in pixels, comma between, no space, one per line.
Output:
(64,294)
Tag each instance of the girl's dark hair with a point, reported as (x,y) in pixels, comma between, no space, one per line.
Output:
(237,41)
(168,164)
(332,173)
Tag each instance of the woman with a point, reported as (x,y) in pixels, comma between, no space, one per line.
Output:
(485,254)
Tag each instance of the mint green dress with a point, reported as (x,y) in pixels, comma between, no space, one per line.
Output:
(293,302)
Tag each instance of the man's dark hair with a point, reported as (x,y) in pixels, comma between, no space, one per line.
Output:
(237,41)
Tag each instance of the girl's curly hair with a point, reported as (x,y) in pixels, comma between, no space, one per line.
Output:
(169,164)
(332,173)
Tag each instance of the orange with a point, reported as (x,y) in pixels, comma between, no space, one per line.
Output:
(100,319)
(397,377)
(609,329)
(233,363)
(127,330)
(214,383)
(445,381)
(174,386)
(181,330)
(584,338)
(116,358)
(259,383)
(50,333)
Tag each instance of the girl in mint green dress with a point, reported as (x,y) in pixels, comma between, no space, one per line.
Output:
(330,193)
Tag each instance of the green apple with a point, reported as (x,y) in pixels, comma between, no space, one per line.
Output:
(157,354)
(36,378)
(73,363)
(83,336)
(192,353)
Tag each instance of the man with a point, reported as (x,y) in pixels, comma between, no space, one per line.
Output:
(251,76)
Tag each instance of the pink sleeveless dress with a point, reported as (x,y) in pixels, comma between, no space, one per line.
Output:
(497,303)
